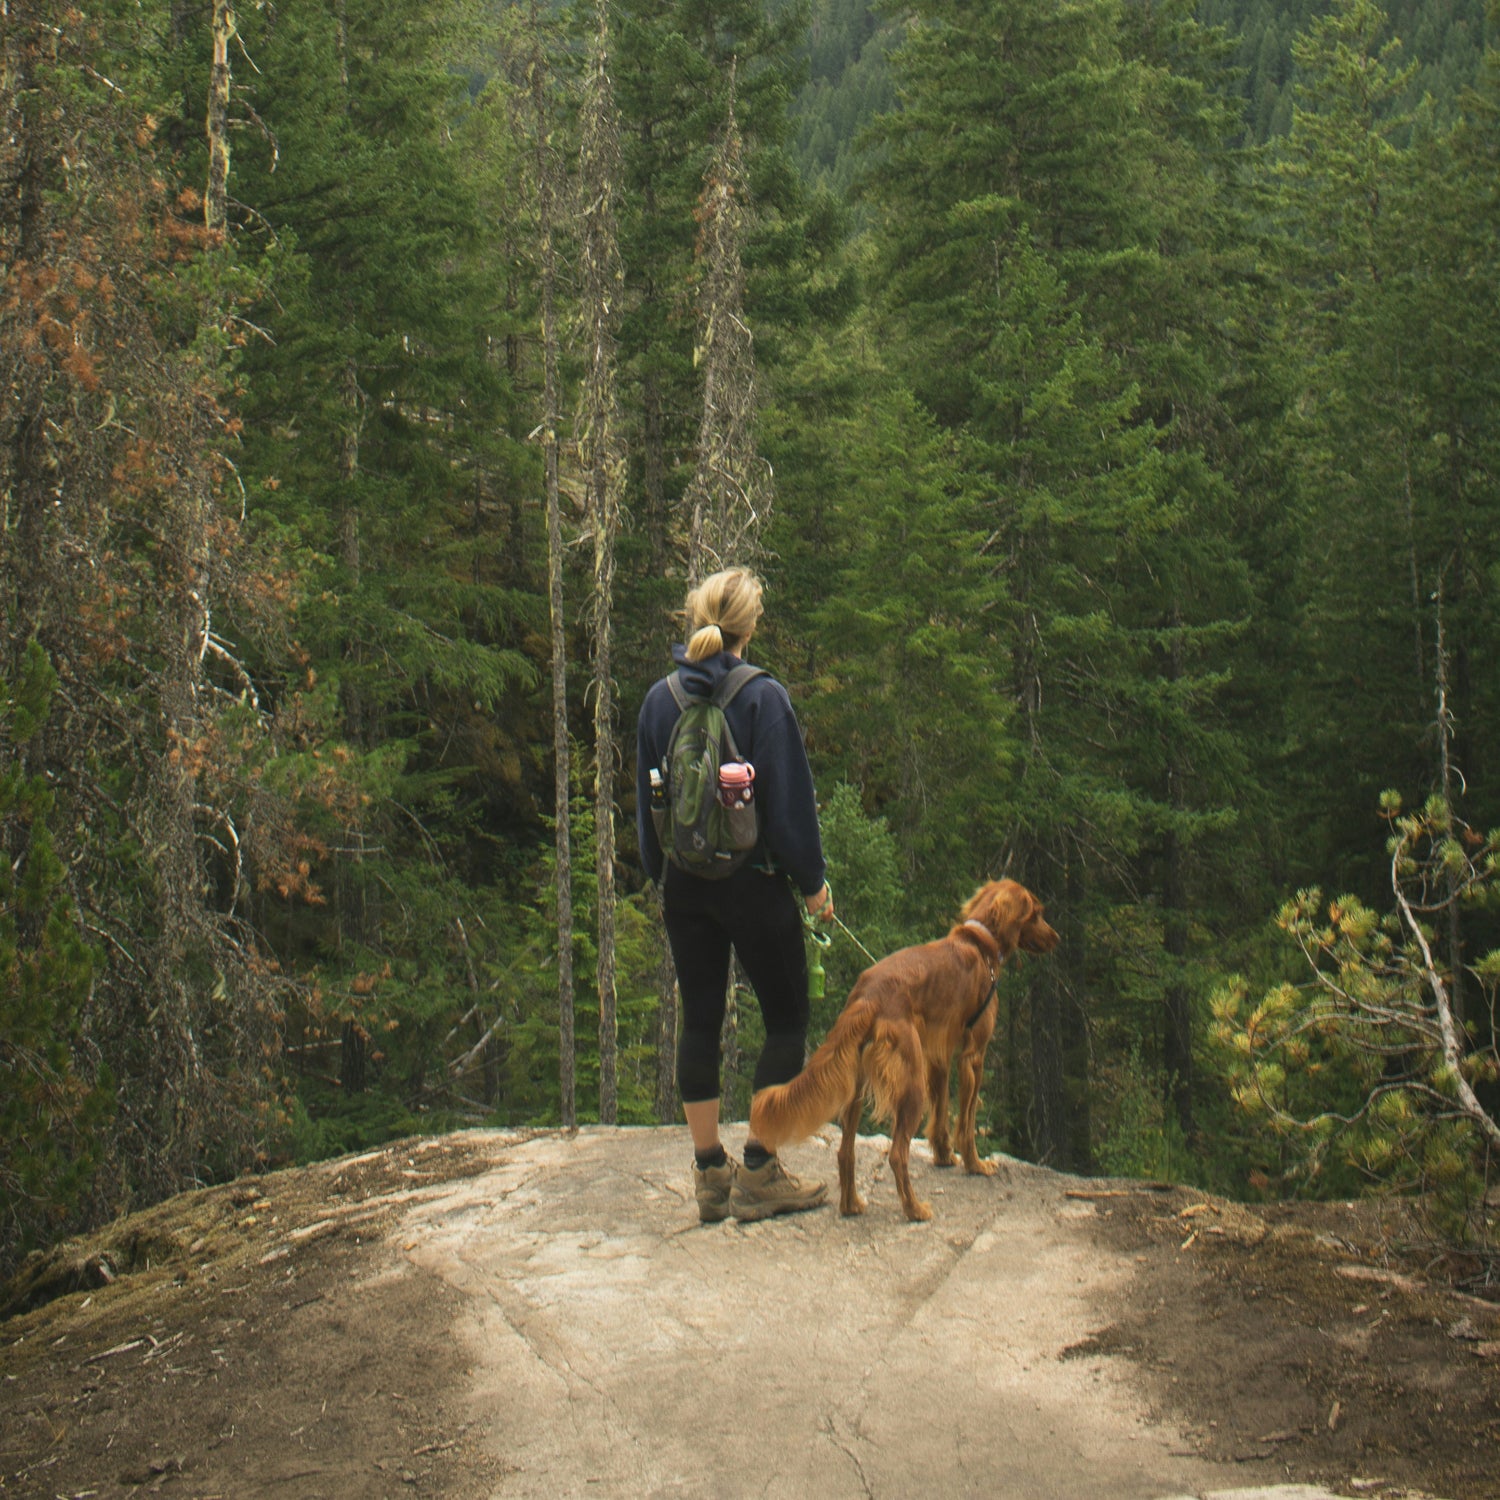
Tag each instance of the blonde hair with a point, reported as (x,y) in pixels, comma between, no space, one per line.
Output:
(721,612)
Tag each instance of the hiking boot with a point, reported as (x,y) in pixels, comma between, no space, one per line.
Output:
(762,1191)
(712,1185)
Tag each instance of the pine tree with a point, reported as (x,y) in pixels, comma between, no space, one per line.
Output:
(1373,545)
(1069,157)
(385,450)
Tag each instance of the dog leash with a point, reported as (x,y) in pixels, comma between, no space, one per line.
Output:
(839,922)
(824,939)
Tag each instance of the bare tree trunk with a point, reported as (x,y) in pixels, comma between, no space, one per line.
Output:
(349,471)
(215,199)
(24,497)
(603,462)
(341,33)
(1046,991)
(1447,775)
(1049,1134)
(653,419)
(354,915)
(654,473)
(654,499)
(1177,1054)
(547,227)
(729,497)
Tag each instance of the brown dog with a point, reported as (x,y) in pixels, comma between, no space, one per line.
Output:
(894,1042)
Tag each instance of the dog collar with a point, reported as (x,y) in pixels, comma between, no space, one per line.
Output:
(991,947)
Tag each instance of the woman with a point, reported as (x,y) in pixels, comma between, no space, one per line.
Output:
(754,911)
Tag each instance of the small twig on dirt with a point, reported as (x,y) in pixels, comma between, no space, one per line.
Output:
(160,1349)
(434,1448)
(118,1349)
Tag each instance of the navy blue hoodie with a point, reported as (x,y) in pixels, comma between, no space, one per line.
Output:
(768,736)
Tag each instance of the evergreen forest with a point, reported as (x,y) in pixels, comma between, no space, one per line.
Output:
(1107,392)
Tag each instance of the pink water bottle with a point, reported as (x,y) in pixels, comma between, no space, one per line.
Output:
(736,783)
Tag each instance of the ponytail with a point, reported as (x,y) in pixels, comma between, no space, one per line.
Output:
(721,612)
(705,642)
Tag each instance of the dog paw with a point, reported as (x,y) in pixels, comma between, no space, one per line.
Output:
(852,1206)
(919,1213)
(981,1168)
(945,1159)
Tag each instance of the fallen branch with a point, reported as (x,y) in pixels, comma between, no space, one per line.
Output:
(1130,1192)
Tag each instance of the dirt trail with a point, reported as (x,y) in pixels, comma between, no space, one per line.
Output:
(497,1314)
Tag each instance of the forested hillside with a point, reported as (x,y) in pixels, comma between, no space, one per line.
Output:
(850,79)
(1113,418)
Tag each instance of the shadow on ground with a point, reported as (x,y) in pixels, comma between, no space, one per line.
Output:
(520,1313)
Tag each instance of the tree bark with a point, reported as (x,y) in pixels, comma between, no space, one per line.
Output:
(729,497)
(547,226)
(1049,1130)
(1177,1054)
(215,200)
(599,172)
(1446,779)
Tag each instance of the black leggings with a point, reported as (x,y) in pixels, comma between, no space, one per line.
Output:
(758,916)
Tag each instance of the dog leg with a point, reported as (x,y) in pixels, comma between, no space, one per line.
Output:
(908,1117)
(937,1103)
(849,1200)
(970,1071)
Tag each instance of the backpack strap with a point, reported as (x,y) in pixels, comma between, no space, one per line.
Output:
(728,689)
(733,680)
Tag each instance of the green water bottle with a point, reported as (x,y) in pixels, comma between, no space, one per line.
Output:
(815,976)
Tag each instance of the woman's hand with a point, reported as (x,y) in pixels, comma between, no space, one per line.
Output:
(820,904)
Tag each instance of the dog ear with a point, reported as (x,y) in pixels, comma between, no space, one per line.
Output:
(975,907)
(1012,908)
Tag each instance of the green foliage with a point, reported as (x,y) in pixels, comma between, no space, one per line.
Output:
(1364,1069)
(1443,42)
(55,1097)
(1042,289)
(1137,1136)
(1124,481)
(904,697)
(324,1122)
(864,872)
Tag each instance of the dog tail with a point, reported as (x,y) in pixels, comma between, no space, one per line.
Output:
(790,1112)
